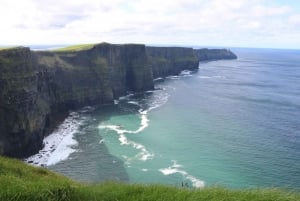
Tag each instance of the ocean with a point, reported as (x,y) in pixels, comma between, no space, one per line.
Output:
(231,123)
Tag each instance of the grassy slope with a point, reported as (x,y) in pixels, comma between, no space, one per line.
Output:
(75,48)
(7,48)
(23,182)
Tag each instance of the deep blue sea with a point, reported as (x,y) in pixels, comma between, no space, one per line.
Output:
(234,123)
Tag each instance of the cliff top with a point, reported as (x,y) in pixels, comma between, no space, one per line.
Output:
(11,48)
(74,48)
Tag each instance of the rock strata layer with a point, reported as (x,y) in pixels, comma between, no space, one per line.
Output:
(38,88)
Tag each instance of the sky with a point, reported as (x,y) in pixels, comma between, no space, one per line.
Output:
(232,23)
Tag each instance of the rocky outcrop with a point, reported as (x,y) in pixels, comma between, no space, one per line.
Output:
(39,88)
(214,54)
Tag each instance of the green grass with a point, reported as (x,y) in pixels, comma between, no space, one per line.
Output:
(74,48)
(21,182)
(7,47)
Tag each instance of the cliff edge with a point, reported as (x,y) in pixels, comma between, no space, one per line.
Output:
(38,88)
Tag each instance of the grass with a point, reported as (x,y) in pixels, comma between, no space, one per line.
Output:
(74,48)
(7,47)
(21,182)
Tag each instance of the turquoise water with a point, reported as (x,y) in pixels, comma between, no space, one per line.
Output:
(232,123)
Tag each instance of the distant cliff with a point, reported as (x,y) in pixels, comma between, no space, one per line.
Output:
(214,54)
(166,61)
(38,88)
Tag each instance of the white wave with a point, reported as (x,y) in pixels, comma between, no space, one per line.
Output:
(133,103)
(119,129)
(175,168)
(220,76)
(211,77)
(144,121)
(116,102)
(63,150)
(143,154)
(101,141)
(125,97)
(150,91)
(60,144)
(123,139)
(186,73)
(205,77)
(169,170)
(144,170)
(156,79)
(173,77)
(159,99)
(196,182)
(86,109)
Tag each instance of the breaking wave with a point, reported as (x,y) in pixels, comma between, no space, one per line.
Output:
(61,143)
(177,169)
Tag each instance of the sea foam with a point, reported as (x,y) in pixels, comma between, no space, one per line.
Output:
(177,168)
(186,73)
(61,143)
(211,77)
(156,79)
(158,99)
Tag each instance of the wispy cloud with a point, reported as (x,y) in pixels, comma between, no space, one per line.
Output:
(262,23)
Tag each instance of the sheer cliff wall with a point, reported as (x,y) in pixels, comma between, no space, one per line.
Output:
(38,88)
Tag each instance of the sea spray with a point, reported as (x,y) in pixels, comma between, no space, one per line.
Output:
(158,99)
(143,154)
(60,144)
(176,168)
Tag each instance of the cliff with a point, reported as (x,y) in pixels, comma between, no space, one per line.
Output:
(214,54)
(166,61)
(38,88)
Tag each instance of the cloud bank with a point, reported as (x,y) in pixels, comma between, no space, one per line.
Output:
(257,23)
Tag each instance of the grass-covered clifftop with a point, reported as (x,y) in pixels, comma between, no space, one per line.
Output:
(21,182)
(78,47)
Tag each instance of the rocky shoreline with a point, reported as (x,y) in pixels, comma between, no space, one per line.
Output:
(39,88)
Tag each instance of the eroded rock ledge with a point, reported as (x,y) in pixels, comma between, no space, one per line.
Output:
(38,88)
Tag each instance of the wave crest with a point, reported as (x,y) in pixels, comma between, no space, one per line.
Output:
(175,168)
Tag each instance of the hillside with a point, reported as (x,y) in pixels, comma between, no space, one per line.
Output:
(21,182)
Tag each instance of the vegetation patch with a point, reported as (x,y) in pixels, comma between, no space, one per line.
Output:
(7,47)
(22,182)
(74,48)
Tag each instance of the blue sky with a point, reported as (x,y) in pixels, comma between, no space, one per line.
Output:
(235,23)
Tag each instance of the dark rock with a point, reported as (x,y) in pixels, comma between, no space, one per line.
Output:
(214,54)
(38,89)
(167,61)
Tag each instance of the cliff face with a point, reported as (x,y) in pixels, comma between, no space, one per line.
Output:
(37,89)
(21,105)
(171,60)
(167,61)
(214,54)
